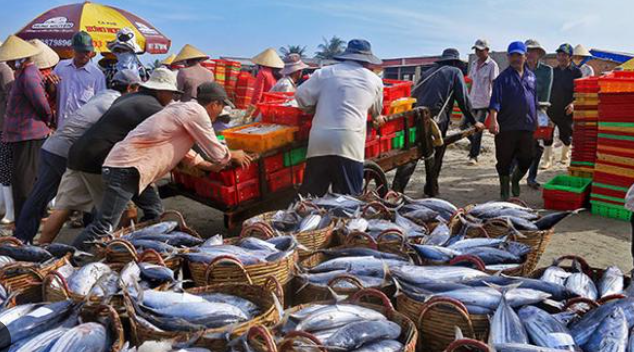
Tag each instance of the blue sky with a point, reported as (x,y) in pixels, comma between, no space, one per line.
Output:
(395,28)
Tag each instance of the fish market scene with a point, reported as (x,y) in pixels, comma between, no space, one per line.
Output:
(316,176)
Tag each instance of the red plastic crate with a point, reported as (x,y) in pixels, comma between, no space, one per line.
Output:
(619,111)
(561,200)
(395,89)
(372,148)
(608,192)
(610,179)
(298,173)
(277,97)
(237,175)
(616,98)
(282,115)
(189,182)
(304,131)
(392,127)
(371,134)
(247,191)
(385,143)
(280,180)
(587,85)
(273,163)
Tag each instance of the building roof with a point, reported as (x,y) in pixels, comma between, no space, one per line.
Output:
(409,61)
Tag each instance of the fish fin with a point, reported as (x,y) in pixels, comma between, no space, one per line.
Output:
(397,285)
(79,253)
(458,333)
(338,298)
(303,286)
(553,303)
(498,273)
(504,289)
(278,305)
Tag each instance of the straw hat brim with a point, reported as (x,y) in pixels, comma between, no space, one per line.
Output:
(287,70)
(15,48)
(189,52)
(268,58)
(580,50)
(169,60)
(47,58)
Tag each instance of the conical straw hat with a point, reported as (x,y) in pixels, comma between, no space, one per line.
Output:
(168,60)
(268,58)
(580,50)
(47,57)
(15,48)
(189,52)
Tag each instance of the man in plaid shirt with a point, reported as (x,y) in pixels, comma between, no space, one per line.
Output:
(28,116)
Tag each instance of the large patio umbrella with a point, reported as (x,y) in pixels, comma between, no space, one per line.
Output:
(57,26)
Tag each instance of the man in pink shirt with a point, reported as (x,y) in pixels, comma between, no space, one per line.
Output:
(154,148)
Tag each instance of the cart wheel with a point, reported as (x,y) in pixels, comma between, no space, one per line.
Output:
(374,179)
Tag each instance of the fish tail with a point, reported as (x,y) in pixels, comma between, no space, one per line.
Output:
(338,298)
(504,289)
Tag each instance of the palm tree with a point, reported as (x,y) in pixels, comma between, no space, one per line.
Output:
(155,64)
(293,49)
(330,48)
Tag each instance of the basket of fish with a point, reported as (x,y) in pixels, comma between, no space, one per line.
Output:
(95,283)
(521,223)
(209,315)
(309,225)
(343,271)
(61,327)
(584,282)
(120,252)
(23,267)
(243,260)
(349,325)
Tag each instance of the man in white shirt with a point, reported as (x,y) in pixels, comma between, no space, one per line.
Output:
(342,96)
(579,55)
(482,72)
(292,72)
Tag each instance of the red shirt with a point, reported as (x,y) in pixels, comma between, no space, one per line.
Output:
(263,83)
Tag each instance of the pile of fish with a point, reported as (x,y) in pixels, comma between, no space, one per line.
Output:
(293,220)
(52,327)
(520,218)
(370,267)
(161,237)
(10,253)
(579,283)
(248,250)
(99,280)
(345,327)
(181,311)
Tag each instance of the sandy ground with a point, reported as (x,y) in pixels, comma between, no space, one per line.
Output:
(601,241)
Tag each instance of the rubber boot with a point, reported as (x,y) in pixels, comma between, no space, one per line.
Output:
(2,206)
(547,158)
(515,183)
(565,154)
(9,216)
(505,187)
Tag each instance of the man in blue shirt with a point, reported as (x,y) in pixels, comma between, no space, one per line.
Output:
(514,119)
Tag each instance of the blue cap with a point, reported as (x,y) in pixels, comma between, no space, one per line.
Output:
(565,48)
(517,48)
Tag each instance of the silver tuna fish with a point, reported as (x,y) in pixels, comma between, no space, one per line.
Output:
(611,335)
(89,337)
(85,278)
(582,285)
(506,326)
(611,282)
(355,335)
(546,331)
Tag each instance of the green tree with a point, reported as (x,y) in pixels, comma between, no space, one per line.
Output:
(330,48)
(293,49)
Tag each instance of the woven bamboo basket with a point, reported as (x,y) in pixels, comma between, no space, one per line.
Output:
(437,318)
(166,216)
(311,241)
(260,339)
(258,295)
(537,240)
(120,252)
(409,334)
(113,323)
(390,240)
(594,273)
(468,345)
(26,278)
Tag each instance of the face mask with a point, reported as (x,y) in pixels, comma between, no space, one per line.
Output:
(127,60)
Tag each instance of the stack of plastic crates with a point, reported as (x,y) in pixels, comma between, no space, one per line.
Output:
(614,169)
(585,118)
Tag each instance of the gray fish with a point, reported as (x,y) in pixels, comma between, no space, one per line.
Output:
(9,315)
(582,285)
(208,314)
(249,308)
(25,253)
(411,228)
(557,292)
(506,326)
(360,252)
(520,347)
(164,299)
(502,267)
(516,248)
(491,256)
(435,253)
(162,248)
(357,265)
(546,331)
(611,282)
(520,224)
(415,274)
(85,277)
(444,209)
(589,322)
(488,297)
(566,317)
(38,320)
(156,273)
(357,334)
(555,275)
(88,337)
(5,260)
(630,343)
(156,229)
(469,243)
(439,236)
(611,335)
(39,343)
(492,210)
(175,238)
(333,316)
(254,243)
(107,285)
(310,223)
(418,213)
(549,221)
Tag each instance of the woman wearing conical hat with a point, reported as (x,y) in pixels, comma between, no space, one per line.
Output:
(267,61)
(168,62)
(28,117)
(46,61)
(193,74)
(6,198)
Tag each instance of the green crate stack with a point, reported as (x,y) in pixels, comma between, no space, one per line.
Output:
(295,156)
(399,141)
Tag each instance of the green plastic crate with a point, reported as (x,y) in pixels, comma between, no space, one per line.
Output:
(412,135)
(610,211)
(399,141)
(295,156)
(220,137)
(568,184)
